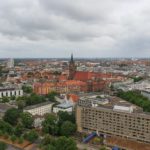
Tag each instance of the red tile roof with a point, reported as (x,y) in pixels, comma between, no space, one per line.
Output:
(73,97)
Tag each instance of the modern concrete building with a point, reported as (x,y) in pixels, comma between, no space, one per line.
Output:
(39,109)
(146,93)
(10,92)
(115,117)
(67,106)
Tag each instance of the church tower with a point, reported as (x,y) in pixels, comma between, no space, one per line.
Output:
(72,68)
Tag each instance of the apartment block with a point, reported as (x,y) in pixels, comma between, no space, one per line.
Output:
(112,116)
(10,92)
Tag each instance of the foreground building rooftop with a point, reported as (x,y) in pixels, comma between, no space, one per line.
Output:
(109,115)
(110,102)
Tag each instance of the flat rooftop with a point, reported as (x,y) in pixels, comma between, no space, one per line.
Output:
(5,107)
(37,105)
(110,102)
(64,105)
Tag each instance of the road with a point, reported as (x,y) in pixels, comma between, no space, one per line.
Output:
(11,148)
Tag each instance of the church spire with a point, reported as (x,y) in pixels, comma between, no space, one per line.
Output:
(72,68)
(72,57)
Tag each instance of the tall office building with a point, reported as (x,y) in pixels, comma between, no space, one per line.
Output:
(10,63)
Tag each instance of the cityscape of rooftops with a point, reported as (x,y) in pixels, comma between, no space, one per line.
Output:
(74,75)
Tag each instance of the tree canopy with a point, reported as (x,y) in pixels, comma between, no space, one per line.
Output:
(5,127)
(51,96)
(3,146)
(27,120)
(61,143)
(136,98)
(65,116)
(62,124)
(11,116)
(137,79)
(67,128)
(31,136)
(27,89)
(50,124)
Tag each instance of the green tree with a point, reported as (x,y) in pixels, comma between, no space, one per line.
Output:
(61,143)
(67,128)
(3,146)
(103,148)
(34,99)
(136,98)
(13,97)
(64,143)
(5,99)
(47,139)
(1,133)
(49,147)
(27,120)
(50,124)
(51,96)
(27,89)
(11,116)
(21,104)
(31,136)
(18,130)
(48,142)
(6,127)
(65,116)
(137,79)
(13,138)
(20,140)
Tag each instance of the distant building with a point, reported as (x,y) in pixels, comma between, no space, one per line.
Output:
(10,63)
(69,86)
(8,92)
(72,68)
(43,88)
(112,116)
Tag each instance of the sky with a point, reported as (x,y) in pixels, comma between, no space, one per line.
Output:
(86,28)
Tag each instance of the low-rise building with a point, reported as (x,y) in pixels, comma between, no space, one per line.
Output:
(39,109)
(8,92)
(67,106)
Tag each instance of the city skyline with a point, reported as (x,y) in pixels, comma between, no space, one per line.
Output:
(88,29)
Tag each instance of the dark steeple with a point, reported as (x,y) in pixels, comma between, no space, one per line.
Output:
(72,68)
(71,58)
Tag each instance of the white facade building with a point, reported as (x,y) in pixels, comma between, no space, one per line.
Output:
(38,121)
(39,109)
(11,92)
(63,107)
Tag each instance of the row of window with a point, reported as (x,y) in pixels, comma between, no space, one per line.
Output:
(11,93)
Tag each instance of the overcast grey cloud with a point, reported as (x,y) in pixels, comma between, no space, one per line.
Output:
(88,28)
